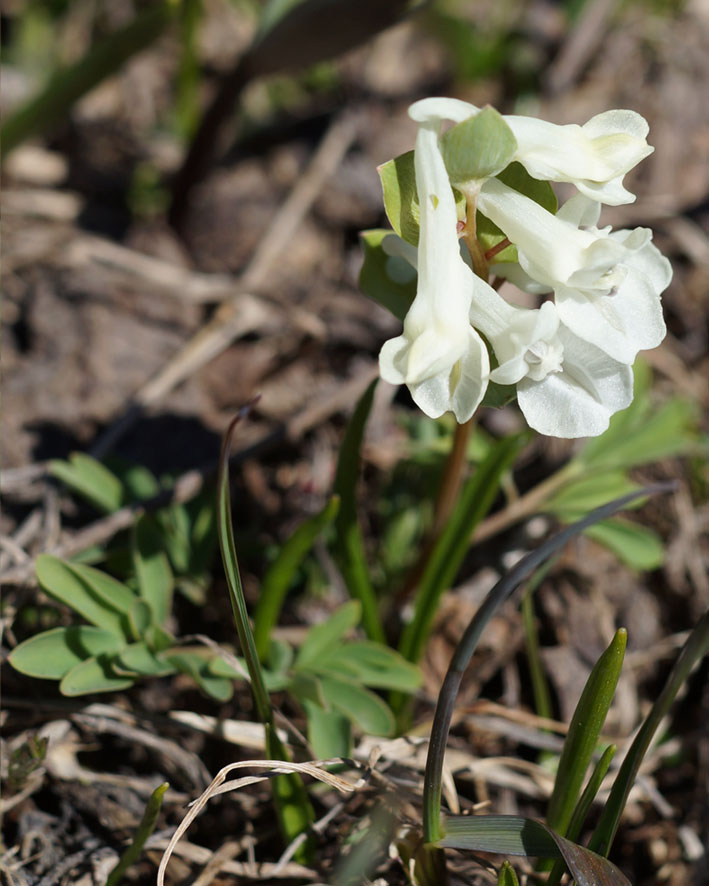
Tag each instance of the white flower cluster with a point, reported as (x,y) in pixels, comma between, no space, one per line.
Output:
(571,358)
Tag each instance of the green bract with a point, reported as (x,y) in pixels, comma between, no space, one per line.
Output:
(478,148)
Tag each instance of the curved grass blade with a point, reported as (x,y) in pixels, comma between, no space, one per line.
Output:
(280,576)
(52,104)
(514,835)
(584,729)
(582,807)
(292,804)
(145,829)
(696,647)
(465,649)
(507,875)
(349,547)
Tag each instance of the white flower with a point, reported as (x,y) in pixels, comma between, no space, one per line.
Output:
(594,157)
(607,285)
(439,356)
(566,387)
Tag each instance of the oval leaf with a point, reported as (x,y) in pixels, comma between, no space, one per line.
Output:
(93,675)
(373,665)
(62,582)
(155,579)
(478,148)
(362,707)
(329,732)
(51,654)
(137,658)
(325,637)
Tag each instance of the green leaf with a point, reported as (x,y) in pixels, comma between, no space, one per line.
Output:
(53,653)
(513,835)
(386,279)
(282,573)
(584,730)
(696,647)
(307,687)
(579,496)
(157,638)
(637,546)
(372,665)
(497,396)
(349,546)
(516,177)
(324,638)
(447,556)
(365,709)
(140,618)
(145,829)
(95,674)
(196,665)
(507,875)
(138,658)
(91,479)
(401,201)
(329,732)
(63,582)
(478,148)
(152,569)
(111,591)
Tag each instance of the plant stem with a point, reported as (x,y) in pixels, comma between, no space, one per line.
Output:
(452,478)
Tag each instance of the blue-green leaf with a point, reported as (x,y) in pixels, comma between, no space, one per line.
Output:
(386,279)
(95,674)
(324,638)
(51,654)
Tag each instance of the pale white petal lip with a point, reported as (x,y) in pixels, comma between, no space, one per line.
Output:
(441,108)
(580,400)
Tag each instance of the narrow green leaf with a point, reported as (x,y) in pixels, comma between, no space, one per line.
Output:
(637,546)
(478,148)
(282,573)
(513,835)
(581,495)
(349,546)
(53,653)
(507,875)
(293,807)
(324,638)
(62,582)
(152,569)
(363,708)
(90,479)
(329,732)
(582,808)
(94,674)
(447,556)
(584,730)
(53,103)
(387,279)
(696,647)
(145,829)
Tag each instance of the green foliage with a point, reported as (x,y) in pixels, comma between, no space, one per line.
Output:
(507,876)
(145,829)
(514,835)
(584,730)
(478,148)
(387,279)
(349,546)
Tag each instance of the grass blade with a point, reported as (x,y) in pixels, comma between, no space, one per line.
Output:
(349,547)
(279,577)
(292,805)
(145,829)
(53,103)
(694,649)
(450,549)
(585,727)
(469,641)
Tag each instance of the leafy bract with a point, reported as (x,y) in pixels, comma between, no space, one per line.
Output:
(478,148)
(386,279)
